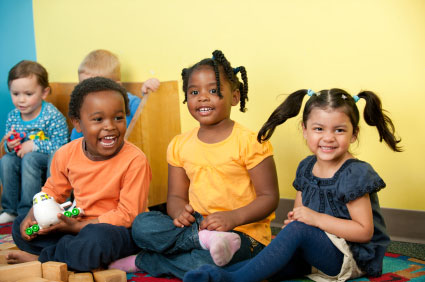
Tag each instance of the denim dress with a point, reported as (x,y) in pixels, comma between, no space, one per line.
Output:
(354,179)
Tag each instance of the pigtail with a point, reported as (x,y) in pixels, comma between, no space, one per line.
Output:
(374,116)
(288,109)
(243,88)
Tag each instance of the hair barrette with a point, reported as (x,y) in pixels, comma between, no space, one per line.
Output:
(356,98)
(310,92)
(343,97)
(236,70)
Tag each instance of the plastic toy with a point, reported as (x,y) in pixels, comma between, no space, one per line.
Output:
(38,136)
(46,209)
(17,136)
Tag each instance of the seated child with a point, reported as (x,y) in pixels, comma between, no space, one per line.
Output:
(35,129)
(222,183)
(105,63)
(336,231)
(110,179)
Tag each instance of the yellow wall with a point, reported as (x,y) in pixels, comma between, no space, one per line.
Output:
(285,46)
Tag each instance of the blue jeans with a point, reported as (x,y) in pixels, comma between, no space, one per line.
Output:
(22,178)
(170,250)
(95,246)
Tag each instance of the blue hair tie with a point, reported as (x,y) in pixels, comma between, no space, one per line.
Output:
(310,92)
(356,98)
(213,57)
(236,70)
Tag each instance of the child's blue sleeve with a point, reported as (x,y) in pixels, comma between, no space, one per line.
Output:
(133,104)
(56,130)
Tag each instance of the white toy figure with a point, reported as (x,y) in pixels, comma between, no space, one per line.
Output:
(46,211)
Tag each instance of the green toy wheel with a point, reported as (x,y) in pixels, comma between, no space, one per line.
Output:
(67,214)
(33,229)
(29,231)
(75,212)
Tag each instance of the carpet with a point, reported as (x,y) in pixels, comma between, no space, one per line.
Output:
(397,267)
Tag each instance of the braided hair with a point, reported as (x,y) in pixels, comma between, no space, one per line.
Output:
(217,62)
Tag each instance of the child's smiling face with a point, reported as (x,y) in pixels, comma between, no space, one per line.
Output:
(203,101)
(103,123)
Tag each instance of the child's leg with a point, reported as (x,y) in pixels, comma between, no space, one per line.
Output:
(95,246)
(36,245)
(10,173)
(33,176)
(313,243)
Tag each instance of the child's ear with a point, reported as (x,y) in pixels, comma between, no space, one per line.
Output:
(236,97)
(46,92)
(76,124)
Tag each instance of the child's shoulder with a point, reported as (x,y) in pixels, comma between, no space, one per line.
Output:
(50,109)
(130,151)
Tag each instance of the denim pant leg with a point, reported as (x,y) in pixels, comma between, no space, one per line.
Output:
(36,245)
(95,246)
(10,173)
(49,162)
(33,176)
(167,249)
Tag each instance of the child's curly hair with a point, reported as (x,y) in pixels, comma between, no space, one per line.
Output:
(90,85)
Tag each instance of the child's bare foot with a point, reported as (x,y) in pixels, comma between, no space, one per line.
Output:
(19,257)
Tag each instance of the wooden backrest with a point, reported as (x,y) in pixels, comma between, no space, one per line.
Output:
(155,123)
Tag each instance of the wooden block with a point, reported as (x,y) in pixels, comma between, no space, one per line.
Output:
(3,255)
(33,279)
(53,270)
(81,277)
(8,246)
(110,275)
(13,272)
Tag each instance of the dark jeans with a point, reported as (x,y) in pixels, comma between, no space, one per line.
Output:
(170,250)
(96,245)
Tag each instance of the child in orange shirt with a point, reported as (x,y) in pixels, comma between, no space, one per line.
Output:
(110,178)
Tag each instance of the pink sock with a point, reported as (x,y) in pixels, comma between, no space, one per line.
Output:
(222,245)
(127,264)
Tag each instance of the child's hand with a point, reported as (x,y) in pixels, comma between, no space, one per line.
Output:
(185,218)
(219,221)
(66,225)
(306,215)
(150,85)
(289,219)
(28,221)
(11,144)
(26,147)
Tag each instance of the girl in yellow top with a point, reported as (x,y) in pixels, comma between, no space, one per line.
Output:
(222,184)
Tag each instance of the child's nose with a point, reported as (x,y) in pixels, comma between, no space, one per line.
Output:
(108,124)
(329,136)
(203,96)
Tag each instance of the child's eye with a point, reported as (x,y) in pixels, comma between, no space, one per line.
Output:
(340,130)
(317,129)
(29,94)
(213,91)
(194,92)
(119,118)
(15,93)
(97,119)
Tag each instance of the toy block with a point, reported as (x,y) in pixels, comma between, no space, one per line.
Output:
(13,272)
(8,246)
(33,279)
(53,270)
(110,275)
(81,277)
(3,255)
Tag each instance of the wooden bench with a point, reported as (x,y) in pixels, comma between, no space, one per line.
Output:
(155,123)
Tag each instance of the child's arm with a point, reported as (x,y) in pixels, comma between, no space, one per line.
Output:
(358,229)
(178,207)
(297,203)
(264,179)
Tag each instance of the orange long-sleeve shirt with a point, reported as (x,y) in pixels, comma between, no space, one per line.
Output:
(115,190)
